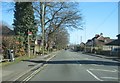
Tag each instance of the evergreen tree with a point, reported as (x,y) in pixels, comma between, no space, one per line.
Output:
(24,21)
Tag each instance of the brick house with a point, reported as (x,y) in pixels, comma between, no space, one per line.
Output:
(5,33)
(118,39)
(115,43)
(82,46)
(98,43)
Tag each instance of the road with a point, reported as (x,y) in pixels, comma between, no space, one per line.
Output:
(73,66)
(14,71)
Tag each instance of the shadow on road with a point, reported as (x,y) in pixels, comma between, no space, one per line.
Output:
(108,63)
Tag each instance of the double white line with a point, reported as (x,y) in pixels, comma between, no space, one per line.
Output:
(37,71)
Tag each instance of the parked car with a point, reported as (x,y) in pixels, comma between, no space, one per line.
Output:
(115,51)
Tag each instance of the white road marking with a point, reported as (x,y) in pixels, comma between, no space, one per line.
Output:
(116,70)
(110,77)
(104,70)
(96,65)
(34,73)
(37,71)
(88,59)
(94,75)
(76,61)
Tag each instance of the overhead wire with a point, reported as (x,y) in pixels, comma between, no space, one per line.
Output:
(103,22)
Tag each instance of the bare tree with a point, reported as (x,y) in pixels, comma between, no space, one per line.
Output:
(61,38)
(56,15)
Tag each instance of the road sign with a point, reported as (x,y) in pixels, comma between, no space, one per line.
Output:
(29,33)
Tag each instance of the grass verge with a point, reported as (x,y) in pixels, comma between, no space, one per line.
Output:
(17,60)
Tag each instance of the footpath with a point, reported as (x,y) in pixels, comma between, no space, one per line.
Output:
(103,56)
(14,71)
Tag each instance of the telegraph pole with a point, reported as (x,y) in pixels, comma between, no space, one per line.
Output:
(85,39)
(81,39)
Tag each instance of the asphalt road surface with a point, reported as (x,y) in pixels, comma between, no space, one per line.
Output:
(73,66)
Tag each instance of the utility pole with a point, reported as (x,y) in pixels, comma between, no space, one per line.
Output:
(81,39)
(85,39)
(43,23)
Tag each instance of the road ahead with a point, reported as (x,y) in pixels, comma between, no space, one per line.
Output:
(73,66)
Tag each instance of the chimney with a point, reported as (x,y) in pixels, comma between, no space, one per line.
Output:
(101,34)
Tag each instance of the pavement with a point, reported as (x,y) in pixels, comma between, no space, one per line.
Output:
(103,56)
(15,71)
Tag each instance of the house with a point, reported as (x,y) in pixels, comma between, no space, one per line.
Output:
(98,43)
(115,46)
(89,44)
(118,39)
(102,41)
(6,31)
(5,35)
(82,46)
(115,43)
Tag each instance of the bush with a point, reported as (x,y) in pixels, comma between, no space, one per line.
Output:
(8,42)
(20,52)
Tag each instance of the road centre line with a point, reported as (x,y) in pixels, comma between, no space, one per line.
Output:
(96,65)
(94,75)
(117,70)
(88,59)
(104,70)
(76,61)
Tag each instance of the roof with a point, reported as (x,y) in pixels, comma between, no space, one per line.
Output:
(82,44)
(101,38)
(89,42)
(118,35)
(114,42)
(6,31)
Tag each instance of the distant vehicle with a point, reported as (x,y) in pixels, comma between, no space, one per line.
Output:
(115,52)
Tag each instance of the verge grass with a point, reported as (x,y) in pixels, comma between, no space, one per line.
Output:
(17,60)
